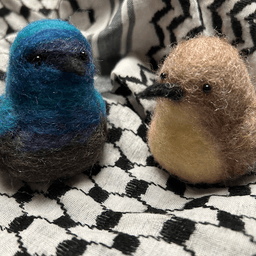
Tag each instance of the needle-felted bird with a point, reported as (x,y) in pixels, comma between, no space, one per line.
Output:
(204,128)
(52,119)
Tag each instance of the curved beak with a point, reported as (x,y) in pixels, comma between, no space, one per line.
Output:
(169,91)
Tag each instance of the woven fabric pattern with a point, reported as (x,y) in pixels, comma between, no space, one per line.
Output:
(126,204)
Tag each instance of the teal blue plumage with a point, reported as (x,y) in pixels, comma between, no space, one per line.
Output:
(50,97)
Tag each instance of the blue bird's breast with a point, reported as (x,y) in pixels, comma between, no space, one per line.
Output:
(56,128)
(52,129)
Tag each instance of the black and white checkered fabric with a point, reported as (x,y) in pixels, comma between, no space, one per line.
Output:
(126,204)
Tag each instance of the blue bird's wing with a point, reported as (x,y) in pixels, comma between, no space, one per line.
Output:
(8,120)
(101,102)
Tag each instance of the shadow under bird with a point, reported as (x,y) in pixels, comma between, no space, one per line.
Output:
(204,126)
(52,119)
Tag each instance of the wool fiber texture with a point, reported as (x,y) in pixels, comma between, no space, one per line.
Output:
(207,137)
(52,119)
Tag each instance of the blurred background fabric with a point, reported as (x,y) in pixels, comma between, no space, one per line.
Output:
(127,204)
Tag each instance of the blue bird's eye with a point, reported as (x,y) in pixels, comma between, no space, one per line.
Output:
(36,59)
(83,56)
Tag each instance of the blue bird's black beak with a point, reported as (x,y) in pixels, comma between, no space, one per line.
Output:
(163,90)
(71,63)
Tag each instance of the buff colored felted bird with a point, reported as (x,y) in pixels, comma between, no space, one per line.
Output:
(204,128)
(52,119)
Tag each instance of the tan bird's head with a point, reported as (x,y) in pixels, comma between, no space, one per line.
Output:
(206,71)
(205,99)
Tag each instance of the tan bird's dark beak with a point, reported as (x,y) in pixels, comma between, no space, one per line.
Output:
(166,90)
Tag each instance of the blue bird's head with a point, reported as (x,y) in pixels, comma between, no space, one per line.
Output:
(48,59)
(51,72)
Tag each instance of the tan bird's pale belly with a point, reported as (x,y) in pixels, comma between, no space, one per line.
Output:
(181,146)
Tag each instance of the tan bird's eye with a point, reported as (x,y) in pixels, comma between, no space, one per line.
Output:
(207,88)
(163,76)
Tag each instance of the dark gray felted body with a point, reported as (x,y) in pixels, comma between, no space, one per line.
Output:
(45,165)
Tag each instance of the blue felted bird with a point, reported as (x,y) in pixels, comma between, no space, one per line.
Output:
(52,119)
